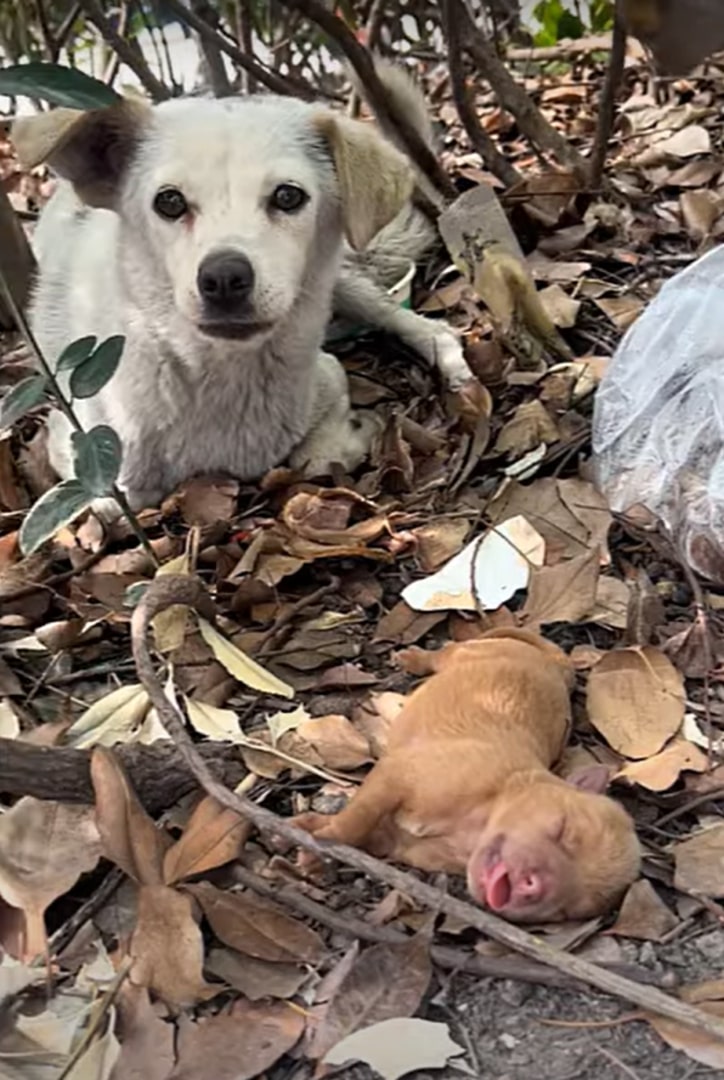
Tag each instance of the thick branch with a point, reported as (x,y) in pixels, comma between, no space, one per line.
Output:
(128,55)
(512,96)
(164,592)
(16,260)
(607,104)
(158,772)
(479,139)
(213,59)
(391,117)
(272,81)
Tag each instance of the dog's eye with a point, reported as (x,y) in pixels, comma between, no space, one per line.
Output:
(170,203)
(288,198)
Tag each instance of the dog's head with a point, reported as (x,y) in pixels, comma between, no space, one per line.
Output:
(241,204)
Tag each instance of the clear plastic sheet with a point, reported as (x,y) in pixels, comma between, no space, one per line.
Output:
(658,428)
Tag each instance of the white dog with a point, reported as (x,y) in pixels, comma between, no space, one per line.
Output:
(210,233)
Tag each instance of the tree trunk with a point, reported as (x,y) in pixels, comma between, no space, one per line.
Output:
(17,263)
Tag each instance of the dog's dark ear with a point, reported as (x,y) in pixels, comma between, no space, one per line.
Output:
(91,149)
(375,179)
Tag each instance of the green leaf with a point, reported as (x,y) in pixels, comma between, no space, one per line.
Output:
(59,506)
(23,397)
(93,374)
(57,84)
(76,353)
(97,458)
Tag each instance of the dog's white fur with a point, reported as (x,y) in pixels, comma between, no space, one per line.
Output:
(184,402)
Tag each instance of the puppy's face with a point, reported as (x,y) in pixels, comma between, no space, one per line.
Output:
(237,205)
(552,852)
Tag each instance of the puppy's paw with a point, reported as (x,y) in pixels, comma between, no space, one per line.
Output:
(414,660)
(450,358)
(345,442)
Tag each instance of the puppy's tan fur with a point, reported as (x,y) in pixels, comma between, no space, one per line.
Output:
(465,785)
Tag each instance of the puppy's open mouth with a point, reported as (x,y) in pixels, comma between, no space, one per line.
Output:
(233,329)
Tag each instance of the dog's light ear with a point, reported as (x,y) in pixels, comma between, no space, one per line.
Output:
(91,149)
(375,179)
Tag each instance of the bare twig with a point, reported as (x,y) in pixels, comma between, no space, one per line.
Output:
(270,79)
(128,55)
(512,96)
(166,591)
(390,116)
(213,58)
(479,139)
(607,104)
(268,640)
(246,42)
(562,50)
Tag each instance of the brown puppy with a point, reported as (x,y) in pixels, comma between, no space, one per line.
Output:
(465,786)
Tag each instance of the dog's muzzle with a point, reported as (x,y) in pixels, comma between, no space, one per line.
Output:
(225,282)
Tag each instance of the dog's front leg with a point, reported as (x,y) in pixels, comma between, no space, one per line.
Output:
(358,298)
(337,434)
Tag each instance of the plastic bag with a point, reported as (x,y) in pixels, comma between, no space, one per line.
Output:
(658,426)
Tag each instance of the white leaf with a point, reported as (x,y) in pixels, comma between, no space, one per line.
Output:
(241,666)
(15,976)
(394,1048)
(112,719)
(221,725)
(9,723)
(503,561)
(281,722)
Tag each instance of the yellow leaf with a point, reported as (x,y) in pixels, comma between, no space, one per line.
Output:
(112,719)
(241,666)
(169,626)
(220,725)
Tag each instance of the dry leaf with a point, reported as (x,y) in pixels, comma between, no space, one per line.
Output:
(204,500)
(402,625)
(560,308)
(168,949)
(706,1049)
(636,700)
(239,1045)
(660,772)
(699,863)
(336,741)
(623,311)
(256,979)
(531,425)
(169,626)
(220,725)
(130,838)
(212,837)
(643,914)
(112,719)
(700,209)
(257,928)
(384,982)
(44,848)
(503,561)
(147,1051)
(542,503)
(393,1048)
(439,541)
(242,667)
(562,593)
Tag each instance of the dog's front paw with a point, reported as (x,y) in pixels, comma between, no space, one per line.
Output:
(347,443)
(450,359)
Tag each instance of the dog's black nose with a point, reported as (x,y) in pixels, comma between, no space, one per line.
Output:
(225,280)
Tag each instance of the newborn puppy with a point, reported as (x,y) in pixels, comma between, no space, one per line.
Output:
(465,786)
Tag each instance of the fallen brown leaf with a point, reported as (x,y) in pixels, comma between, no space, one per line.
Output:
(256,928)
(212,837)
(662,770)
(336,741)
(562,593)
(530,425)
(130,838)
(241,1044)
(438,541)
(697,1045)
(402,625)
(146,1040)
(636,700)
(255,979)
(699,862)
(643,914)
(385,981)
(204,500)
(44,848)
(168,949)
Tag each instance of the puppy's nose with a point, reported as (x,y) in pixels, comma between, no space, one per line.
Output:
(225,280)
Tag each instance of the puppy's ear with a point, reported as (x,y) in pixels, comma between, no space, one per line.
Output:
(90,149)
(375,179)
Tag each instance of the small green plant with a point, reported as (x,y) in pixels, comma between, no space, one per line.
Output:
(97,454)
(557,22)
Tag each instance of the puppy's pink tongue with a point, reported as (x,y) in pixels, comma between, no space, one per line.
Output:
(498,889)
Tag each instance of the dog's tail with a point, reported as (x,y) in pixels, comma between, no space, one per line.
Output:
(411,236)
